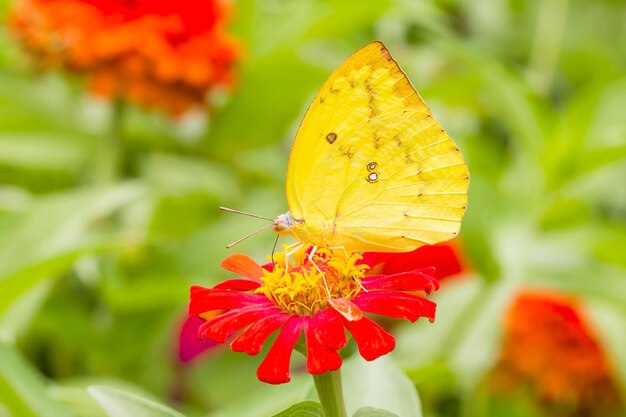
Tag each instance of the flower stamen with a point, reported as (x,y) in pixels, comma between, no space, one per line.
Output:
(303,283)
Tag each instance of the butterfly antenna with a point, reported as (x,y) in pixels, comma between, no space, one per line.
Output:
(248,235)
(274,250)
(245,214)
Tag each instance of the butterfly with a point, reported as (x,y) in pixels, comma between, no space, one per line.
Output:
(370,168)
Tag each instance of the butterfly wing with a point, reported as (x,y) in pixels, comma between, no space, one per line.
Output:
(370,168)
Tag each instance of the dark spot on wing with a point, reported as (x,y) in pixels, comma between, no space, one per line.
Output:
(371,102)
(377,140)
(348,153)
(331,137)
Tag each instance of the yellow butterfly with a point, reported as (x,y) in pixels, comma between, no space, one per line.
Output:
(370,168)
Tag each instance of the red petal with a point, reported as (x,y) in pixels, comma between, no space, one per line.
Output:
(396,304)
(275,367)
(319,358)
(421,279)
(328,328)
(243,265)
(346,308)
(222,327)
(238,285)
(374,258)
(373,341)
(251,339)
(206,299)
(444,256)
(189,345)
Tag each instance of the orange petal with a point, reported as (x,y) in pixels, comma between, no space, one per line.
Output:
(243,265)
(211,314)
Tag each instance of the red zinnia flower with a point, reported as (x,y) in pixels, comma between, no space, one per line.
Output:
(549,347)
(318,296)
(157,53)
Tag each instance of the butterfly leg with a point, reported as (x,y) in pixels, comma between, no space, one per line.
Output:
(313,250)
(290,250)
(343,248)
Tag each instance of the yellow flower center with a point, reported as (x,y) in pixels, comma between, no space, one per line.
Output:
(302,286)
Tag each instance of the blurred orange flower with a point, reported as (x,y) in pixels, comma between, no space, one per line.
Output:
(550,348)
(157,53)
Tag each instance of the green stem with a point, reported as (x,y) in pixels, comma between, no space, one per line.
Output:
(112,158)
(551,21)
(330,393)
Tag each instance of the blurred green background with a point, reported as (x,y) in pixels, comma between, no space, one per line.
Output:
(94,272)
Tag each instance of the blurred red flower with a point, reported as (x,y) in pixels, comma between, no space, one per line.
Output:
(320,297)
(156,53)
(549,347)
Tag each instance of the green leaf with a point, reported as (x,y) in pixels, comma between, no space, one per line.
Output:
(38,151)
(464,335)
(20,313)
(44,241)
(117,403)
(282,75)
(303,409)
(22,390)
(563,213)
(77,400)
(373,412)
(379,384)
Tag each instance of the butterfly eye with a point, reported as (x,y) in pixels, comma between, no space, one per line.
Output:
(372,177)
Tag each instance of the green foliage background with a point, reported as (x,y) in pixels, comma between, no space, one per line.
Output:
(95,265)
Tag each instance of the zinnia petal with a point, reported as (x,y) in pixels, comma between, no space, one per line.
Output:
(251,340)
(446,257)
(243,265)
(346,308)
(224,326)
(238,285)
(189,345)
(375,258)
(373,341)
(206,299)
(320,358)
(328,328)
(275,367)
(421,279)
(396,304)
